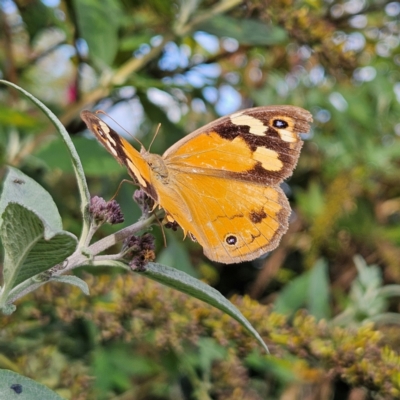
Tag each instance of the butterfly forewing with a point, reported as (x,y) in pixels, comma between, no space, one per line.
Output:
(121,149)
(260,144)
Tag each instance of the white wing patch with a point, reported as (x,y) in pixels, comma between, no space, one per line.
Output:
(136,172)
(256,126)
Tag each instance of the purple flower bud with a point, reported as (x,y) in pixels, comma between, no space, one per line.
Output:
(103,211)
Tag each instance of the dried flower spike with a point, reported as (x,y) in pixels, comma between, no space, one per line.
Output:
(141,251)
(103,211)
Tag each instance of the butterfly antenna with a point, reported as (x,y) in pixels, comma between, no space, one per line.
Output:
(119,187)
(133,137)
(152,140)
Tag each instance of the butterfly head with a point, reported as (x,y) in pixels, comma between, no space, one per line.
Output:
(157,164)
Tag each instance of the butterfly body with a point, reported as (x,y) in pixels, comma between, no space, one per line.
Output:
(221,182)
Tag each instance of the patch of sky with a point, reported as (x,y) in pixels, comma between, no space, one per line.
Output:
(207,41)
(229,100)
(338,101)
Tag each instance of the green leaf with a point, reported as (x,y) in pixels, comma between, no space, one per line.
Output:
(98,23)
(31,246)
(8,309)
(114,368)
(318,291)
(388,291)
(367,302)
(176,254)
(133,41)
(293,296)
(14,386)
(388,318)
(311,289)
(20,188)
(311,201)
(11,116)
(36,17)
(76,162)
(282,369)
(245,31)
(72,280)
(187,284)
(208,352)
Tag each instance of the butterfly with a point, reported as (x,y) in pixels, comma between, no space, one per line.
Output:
(220,184)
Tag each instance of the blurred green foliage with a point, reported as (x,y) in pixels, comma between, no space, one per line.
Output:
(183,64)
(140,339)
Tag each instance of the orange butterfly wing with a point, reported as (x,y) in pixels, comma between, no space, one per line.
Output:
(120,148)
(233,220)
(259,144)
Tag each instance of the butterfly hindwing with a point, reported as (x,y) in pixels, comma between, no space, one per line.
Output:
(234,221)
